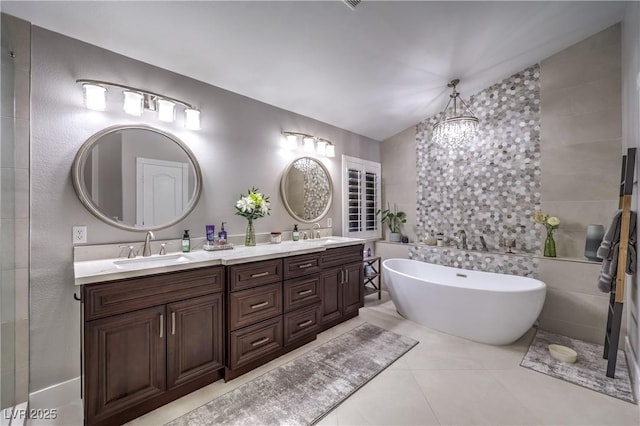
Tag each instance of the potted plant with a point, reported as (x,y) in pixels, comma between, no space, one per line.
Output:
(393,220)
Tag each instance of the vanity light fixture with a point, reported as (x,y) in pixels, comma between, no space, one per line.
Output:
(137,100)
(458,129)
(310,143)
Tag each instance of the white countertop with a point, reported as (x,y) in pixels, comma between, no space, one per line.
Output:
(91,271)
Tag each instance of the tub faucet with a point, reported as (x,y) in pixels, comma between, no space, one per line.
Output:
(484,243)
(146,250)
(463,235)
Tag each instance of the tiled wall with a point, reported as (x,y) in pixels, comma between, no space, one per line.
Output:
(14,203)
(491,187)
(398,159)
(581,138)
(581,151)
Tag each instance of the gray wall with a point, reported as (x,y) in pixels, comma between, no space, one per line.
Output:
(14,213)
(238,147)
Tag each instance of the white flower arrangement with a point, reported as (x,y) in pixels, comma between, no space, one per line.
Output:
(252,206)
(550,222)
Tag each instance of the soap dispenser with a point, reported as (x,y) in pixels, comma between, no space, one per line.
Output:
(222,235)
(186,242)
(295,235)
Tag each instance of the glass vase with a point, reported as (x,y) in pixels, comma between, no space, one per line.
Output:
(250,237)
(549,245)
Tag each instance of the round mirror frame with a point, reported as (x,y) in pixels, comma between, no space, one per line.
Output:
(284,195)
(80,160)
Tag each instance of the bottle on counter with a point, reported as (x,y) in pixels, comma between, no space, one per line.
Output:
(210,233)
(295,235)
(186,242)
(222,235)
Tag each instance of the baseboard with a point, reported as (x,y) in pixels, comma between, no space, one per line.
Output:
(634,367)
(56,396)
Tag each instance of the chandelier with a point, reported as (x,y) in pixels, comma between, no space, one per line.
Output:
(458,129)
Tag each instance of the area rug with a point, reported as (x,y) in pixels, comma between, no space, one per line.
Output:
(588,371)
(302,391)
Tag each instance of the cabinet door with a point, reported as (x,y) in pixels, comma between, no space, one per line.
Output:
(352,290)
(331,294)
(194,338)
(125,361)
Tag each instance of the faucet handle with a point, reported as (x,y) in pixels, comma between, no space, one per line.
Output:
(163,249)
(304,235)
(131,254)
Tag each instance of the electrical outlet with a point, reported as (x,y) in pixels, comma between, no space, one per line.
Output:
(329,222)
(79,235)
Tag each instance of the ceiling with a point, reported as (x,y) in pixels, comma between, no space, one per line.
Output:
(374,71)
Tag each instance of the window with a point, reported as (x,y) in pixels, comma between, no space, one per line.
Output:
(360,198)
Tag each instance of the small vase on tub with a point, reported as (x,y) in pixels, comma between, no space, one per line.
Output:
(551,223)
(393,219)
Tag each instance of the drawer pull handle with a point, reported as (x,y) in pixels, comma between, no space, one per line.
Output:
(260,342)
(173,323)
(306,265)
(261,274)
(305,323)
(161,325)
(259,305)
(305,292)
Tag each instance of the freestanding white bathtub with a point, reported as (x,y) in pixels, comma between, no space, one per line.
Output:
(482,306)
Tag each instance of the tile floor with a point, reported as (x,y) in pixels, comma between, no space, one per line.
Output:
(444,380)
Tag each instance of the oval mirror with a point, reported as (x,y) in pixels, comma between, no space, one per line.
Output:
(306,189)
(136,177)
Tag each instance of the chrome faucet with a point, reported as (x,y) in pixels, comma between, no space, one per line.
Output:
(317,233)
(146,250)
(484,243)
(463,235)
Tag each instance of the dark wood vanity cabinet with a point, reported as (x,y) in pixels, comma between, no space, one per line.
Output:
(275,310)
(341,285)
(147,342)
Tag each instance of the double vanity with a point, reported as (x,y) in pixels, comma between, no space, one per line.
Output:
(157,328)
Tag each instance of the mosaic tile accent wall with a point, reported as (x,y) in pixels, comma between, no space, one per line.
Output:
(491,187)
(512,264)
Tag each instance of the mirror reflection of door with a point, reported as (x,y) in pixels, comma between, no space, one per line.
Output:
(161,190)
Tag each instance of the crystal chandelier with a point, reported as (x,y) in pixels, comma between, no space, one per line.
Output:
(458,129)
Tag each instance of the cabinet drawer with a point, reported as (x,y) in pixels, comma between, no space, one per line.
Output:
(301,292)
(116,297)
(254,342)
(254,274)
(341,256)
(256,304)
(298,266)
(301,323)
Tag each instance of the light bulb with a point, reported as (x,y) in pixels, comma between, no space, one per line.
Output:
(132,103)
(95,97)
(308,144)
(192,119)
(166,110)
(321,147)
(291,141)
(331,150)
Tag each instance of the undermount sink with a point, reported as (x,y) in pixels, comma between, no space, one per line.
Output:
(152,261)
(335,239)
